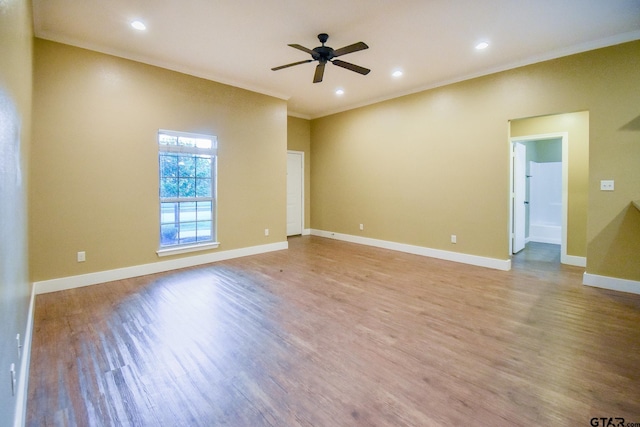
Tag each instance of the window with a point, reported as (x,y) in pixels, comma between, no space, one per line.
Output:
(187,165)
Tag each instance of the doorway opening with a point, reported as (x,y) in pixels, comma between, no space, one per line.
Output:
(295,193)
(540,135)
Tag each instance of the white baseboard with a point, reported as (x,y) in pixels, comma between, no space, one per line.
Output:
(71,282)
(497,264)
(306,232)
(613,283)
(578,261)
(22,390)
(542,239)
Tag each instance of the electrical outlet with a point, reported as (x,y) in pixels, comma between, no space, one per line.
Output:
(361,226)
(82,256)
(454,239)
(606,185)
(266,231)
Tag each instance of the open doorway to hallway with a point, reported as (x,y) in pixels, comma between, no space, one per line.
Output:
(549,187)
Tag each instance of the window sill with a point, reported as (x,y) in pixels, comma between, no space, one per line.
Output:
(186,249)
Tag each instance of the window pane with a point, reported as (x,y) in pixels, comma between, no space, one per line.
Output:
(186,187)
(168,213)
(168,187)
(169,234)
(203,187)
(203,167)
(204,211)
(187,211)
(187,232)
(203,230)
(186,165)
(168,165)
(186,141)
(203,143)
(165,139)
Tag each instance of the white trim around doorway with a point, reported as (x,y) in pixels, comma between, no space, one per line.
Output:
(564,136)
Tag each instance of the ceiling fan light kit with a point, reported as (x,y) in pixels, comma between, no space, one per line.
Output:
(324,54)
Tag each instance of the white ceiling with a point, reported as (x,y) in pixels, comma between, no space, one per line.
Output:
(238,42)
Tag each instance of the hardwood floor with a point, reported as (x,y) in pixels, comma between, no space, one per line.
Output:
(330,333)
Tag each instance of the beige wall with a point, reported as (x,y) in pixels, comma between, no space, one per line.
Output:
(95,164)
(15,136)
(419,168)
(299,139)
(577,127)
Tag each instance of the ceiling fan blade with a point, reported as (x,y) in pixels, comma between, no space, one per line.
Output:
(351,48)
(302,48)
(317,77)
(291,65)
(352,67)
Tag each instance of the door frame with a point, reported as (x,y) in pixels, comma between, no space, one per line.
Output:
(301,154)
(564,136)
(518,224)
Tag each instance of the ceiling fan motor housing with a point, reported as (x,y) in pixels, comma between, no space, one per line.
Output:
(323,53)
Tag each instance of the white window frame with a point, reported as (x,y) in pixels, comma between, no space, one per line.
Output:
(213,152)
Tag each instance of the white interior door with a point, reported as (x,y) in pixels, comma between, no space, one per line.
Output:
(519,194)
(295,199)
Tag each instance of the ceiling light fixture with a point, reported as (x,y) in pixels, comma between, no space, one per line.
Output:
(482,45)
(339,92)
(138,25)
(397,73)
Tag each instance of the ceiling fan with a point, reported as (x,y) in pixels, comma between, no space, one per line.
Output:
(324,54)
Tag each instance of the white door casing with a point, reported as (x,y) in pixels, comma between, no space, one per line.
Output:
(519,195)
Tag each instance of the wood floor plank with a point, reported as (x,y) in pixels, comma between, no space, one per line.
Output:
(330,333)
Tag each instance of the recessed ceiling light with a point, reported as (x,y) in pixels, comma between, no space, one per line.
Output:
(339,92)
(138,25)
(482,45)
(397,73)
